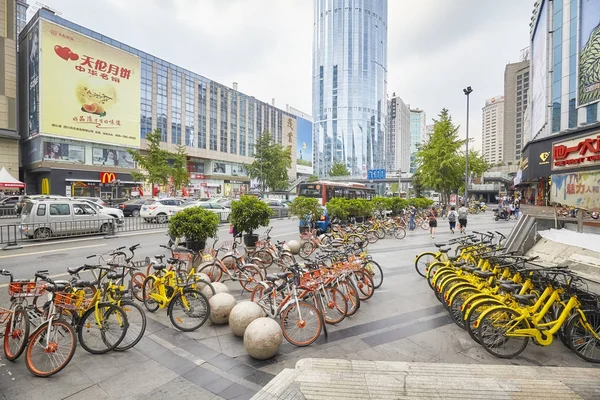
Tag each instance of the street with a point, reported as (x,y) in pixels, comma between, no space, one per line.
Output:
(402,322)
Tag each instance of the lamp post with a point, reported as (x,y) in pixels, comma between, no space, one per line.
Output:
(467,92)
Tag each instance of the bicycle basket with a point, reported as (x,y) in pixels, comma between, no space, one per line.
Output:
(208,255)
(69,301)
(26,289)
(183,255)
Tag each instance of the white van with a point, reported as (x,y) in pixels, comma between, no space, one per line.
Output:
(53,217)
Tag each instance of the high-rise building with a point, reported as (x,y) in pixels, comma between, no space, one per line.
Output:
(9,139)
(492,130)
(349,84)
(397,139)
(516,87)
(86,99)
(418,130)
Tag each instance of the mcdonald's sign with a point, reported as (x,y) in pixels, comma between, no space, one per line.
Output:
(45,186)
(107,177)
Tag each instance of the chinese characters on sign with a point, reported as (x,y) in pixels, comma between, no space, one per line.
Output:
(583,151)
(580,190)
(114,71)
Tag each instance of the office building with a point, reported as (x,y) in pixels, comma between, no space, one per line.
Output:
(397,139)
(349,84)
(9,138)
(492,130)
(87,99)
(516,88)
(418,130)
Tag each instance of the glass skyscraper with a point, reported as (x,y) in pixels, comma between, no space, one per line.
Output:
(349,84)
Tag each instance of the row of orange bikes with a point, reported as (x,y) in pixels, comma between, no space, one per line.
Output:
(505,301)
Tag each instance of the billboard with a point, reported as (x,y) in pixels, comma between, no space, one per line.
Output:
(539,71)
(88,90)
(112,158)
(581,190)
(582,151)
(33,46)
(64,152)
(304,146)
(589,52)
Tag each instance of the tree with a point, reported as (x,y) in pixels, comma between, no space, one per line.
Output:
(312,178)
(271,163)
(179,172)
(477,164)
(154,161)
(339,169)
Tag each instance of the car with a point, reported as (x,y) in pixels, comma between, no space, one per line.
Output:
(279,208)
(113,212)
(8,205)
(160,210)
(24,199)
(132,207)
(96,200)
(214,207)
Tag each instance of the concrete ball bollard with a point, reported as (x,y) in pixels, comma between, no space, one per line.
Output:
(201,276)
(221,305)
(242,315)
(263,338)
(219,288)
(293,246)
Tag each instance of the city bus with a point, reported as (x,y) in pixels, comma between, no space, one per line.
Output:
(325,190)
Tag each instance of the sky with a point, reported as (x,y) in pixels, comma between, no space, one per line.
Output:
(435,47)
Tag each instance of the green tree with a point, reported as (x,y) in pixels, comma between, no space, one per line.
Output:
(312,178)
(152,160)
(394,188)
(271,163)
(179,172)
(477,164)
(339,169)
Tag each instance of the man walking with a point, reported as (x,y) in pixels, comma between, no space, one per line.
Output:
(462,218)
(413,214)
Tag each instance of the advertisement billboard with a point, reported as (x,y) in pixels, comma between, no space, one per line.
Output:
(589,52)
(304,145)
(88,90)
(64,152)
(581,190)
(539,70)
(579,152)
(33,46)
(112,158)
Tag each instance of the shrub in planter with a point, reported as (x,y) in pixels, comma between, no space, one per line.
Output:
(397,205)
(382,204)
(307,210)
(248,214)
(195,224)
(421,202)
(337,208)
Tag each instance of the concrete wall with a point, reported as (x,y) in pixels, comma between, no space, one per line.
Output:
(9,156)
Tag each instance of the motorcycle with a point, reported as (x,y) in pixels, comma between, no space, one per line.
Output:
(501,213)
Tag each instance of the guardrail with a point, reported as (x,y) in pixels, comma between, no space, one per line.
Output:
(8,212)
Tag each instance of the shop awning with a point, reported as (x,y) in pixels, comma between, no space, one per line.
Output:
(8,182)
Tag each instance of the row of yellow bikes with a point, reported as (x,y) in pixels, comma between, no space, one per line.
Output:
(505,301)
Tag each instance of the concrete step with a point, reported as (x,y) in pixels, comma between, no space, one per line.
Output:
(343,379)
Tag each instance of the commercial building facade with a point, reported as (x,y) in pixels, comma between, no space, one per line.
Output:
(349,84)
(516,88)
(492,130)
(418,130)
(111,96)
(397,139)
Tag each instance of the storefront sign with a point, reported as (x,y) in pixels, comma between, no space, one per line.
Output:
(580,152)
(581,190)
(544,158)
(107,177)
(197,176)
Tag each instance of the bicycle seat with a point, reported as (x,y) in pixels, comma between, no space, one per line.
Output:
(284,275)
(453,258)
(60,287)
(271,277)
(483,274)
(75,270)
(159,267)
(447,249)
(523,298)
(463,265)
(172,260)
(510,287)
(81,284)
(159,257)
(505,282)
(62,282)
(114,275)
(438,245)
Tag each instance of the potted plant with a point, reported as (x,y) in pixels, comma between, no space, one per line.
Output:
(337,208)
(307,209)
(195,224)
(248,214)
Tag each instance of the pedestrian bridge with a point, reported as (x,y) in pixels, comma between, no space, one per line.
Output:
(393,177)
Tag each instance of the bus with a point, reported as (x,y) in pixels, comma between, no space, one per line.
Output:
(325,190)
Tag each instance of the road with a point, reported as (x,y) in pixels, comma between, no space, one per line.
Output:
(402,322)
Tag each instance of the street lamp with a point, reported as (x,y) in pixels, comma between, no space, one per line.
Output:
(467,92)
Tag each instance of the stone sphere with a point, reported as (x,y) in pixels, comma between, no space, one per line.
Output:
(219,288)
(202,276)
(263,338)
(294,246)
(242,315)
(221,305)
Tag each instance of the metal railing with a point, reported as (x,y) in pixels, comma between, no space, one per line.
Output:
(8,212)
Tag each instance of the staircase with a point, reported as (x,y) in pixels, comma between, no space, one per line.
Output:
(294,184)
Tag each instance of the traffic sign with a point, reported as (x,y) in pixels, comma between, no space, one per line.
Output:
(376,174)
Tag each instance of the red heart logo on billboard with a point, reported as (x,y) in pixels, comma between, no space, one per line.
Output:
(65,53)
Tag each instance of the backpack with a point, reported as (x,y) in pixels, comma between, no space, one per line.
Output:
(462,214)
(452,216)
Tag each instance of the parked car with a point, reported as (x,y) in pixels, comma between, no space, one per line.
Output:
(132,208)
(24,199)
(279,208)
(214,207)
(47,217)
(160,210)
(8,205)
(96,200)
(113,212)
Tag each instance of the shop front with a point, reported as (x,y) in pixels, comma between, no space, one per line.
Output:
(534,172)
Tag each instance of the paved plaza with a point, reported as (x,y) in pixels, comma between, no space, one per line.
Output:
(402,322)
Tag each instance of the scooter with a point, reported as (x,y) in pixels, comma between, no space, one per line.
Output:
(501,213)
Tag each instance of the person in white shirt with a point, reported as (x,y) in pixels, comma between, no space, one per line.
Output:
(463,212)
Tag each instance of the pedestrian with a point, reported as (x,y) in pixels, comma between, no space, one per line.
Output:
(413,214)
(432,221)
(462,218)
(517,207)
(233,231)
(452,215)
(444,208)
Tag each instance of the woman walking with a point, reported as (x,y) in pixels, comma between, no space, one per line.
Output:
(452,215)
(462,218)
(432,221)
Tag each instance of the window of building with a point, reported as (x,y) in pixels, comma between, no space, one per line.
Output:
(224,120)
(213,117)
(201,129)
(233,123)
(161,100)
(190,136)
(176,77)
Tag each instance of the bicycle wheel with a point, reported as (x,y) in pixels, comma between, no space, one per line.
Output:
(50,350)
(189,310)
(351,295)
(432,271)
(422,262)
(16,334)
(306,249)
(425,225)
(136,318)
(457,302)
(580,337)
(332,304)
(230,262)
(136,285)
(301,323)
(212,270)
(472,312)
(376,272)
(265,256)
(493,329)
(380,233)
(364,284)
(148,288)
(102,328)
(399,233)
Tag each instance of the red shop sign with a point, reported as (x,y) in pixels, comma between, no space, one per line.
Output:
(582,151)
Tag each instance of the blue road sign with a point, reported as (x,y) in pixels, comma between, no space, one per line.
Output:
(376,174)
